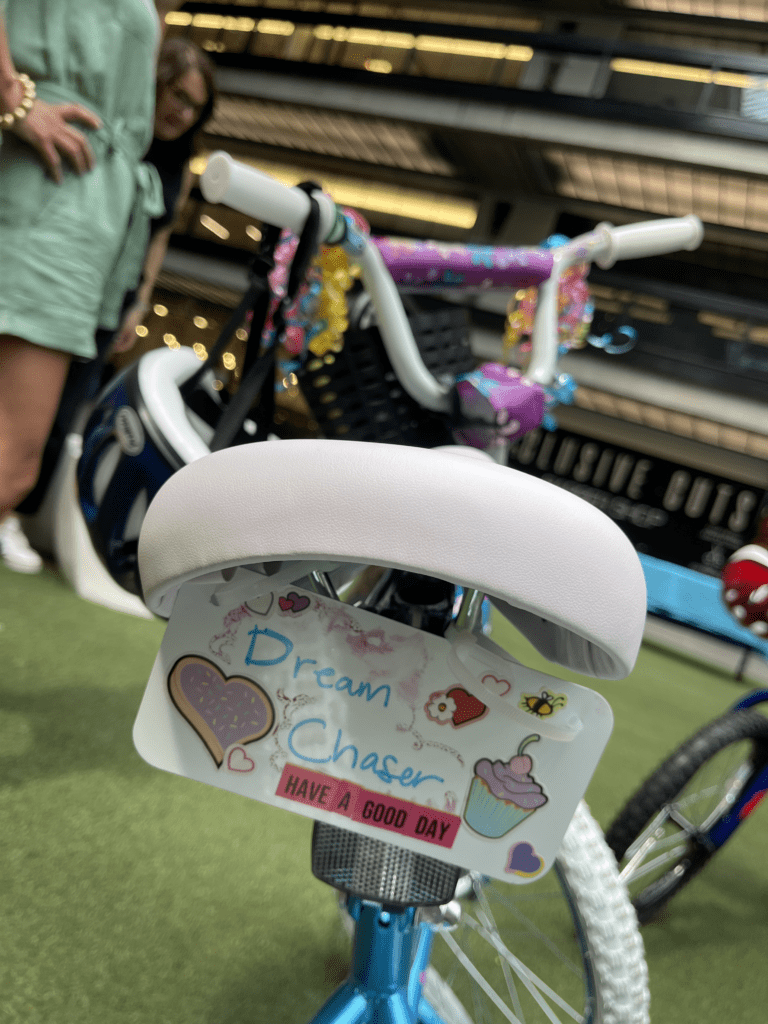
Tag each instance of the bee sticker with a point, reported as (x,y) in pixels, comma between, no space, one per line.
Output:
(543,704)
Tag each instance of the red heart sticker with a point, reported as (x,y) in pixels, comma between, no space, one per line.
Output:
(468,708)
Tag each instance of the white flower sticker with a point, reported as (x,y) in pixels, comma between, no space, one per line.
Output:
(441,708)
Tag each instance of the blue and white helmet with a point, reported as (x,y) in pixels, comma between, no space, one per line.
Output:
(140,432)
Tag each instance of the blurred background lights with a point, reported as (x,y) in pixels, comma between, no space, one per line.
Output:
(198,164)
(241,334)
(229,361)
(253,232)
(200,350)
(160,310)
(382,67)
(142,331)
(171,341)
(214,227)
(200,321)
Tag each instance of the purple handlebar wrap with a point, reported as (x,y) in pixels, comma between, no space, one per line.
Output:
(427,265)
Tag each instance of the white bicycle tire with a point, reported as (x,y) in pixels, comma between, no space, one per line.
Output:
(611,945)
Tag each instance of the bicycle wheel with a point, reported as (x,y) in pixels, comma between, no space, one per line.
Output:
(659,838)
(566,948)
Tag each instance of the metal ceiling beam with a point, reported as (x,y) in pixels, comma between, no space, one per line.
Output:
(539,126)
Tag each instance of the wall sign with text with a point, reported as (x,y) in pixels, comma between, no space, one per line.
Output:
(451,749)
(682,515)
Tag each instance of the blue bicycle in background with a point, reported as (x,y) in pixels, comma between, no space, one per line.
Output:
(691,805)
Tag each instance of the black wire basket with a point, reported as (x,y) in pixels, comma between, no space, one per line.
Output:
(355,394)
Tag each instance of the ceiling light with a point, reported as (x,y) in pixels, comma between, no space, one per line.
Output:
(217,22)
(461,47)
(743,11)
(684,73)
(373,37)
(411,203)
(381,67)
(270,27)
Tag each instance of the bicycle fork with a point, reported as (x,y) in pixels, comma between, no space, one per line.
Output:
(389,959)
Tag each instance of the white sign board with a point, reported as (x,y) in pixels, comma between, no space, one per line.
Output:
(450,749)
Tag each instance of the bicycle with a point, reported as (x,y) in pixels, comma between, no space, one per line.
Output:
(691,806)
(331,560)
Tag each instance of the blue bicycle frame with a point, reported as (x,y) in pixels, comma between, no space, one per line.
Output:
(751,795)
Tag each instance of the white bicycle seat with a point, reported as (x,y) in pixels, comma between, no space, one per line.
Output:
(559,569)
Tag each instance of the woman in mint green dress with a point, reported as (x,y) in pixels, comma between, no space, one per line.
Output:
(77,84)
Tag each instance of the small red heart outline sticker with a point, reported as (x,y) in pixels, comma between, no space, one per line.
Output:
(496,685)
(238,761)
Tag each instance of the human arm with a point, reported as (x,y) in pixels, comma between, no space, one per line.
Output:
(44,126)
(153,262)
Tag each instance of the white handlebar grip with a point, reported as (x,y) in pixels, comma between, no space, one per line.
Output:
(648,238)
(260,196)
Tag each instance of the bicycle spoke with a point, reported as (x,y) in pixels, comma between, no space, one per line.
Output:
(477,977)
(525,973)
(508,977)
(536,932)
(672,855)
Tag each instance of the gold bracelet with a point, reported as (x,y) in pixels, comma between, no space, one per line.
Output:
(30,92)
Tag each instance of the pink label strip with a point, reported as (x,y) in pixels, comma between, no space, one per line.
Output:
(314,789)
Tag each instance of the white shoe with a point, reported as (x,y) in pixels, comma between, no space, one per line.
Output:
(14,548)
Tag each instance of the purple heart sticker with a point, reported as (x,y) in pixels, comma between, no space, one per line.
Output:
(523,860)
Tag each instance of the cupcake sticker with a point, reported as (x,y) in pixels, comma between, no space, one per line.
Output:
(503,794)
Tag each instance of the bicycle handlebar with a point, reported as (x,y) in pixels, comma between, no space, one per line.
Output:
(258,195)
(648,238)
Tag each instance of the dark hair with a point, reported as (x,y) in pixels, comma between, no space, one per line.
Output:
(177,56)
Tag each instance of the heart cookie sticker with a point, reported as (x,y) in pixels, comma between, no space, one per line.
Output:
(223,711)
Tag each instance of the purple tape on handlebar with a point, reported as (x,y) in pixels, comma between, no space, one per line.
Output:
(425,265)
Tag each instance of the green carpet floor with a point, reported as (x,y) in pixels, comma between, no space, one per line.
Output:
(128,896)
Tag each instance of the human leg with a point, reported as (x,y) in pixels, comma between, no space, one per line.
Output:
(31,382)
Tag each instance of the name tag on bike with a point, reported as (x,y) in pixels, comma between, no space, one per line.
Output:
(446,747)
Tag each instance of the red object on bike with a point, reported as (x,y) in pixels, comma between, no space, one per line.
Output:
(745,587)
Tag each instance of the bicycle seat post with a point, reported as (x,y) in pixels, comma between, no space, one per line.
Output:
(322,584)
(389,956)
(386,887)
(470,612)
